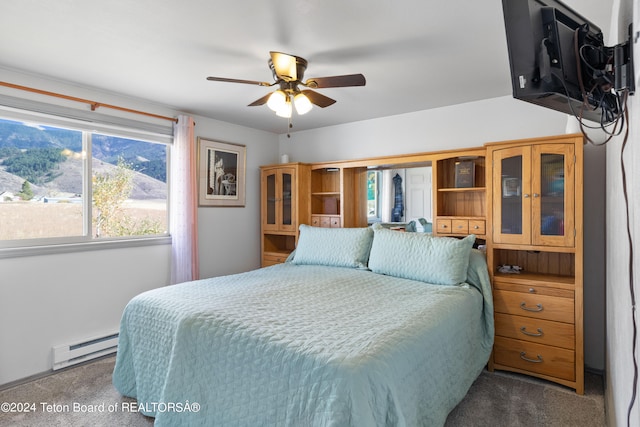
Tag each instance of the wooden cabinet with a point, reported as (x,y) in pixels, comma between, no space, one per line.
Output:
(459,205)
(535,223)
(338,196)
(534,194)
(284,206)
(321,195)
(523,197)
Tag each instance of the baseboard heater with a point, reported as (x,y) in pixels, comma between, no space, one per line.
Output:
(72,354)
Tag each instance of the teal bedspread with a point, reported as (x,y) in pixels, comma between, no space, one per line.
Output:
(299,345)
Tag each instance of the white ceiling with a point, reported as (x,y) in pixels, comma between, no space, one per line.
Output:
(415,54)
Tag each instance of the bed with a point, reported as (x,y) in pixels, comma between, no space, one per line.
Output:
(361,327)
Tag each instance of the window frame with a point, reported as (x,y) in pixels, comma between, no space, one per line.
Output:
(56,116)
(378,191)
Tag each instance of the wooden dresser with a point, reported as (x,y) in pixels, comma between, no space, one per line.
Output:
(535,224)
(284,206)
(535,326)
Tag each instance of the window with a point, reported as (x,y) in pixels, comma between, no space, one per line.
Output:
(373,195)
(66,184)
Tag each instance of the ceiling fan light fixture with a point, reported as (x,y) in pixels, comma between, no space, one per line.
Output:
(277,100)
(285,109)
(302,103)
(288,73)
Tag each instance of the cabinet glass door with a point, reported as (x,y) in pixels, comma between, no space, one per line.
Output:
(287,206)
(511,184)
(511,194)
(553,194)
(271,200)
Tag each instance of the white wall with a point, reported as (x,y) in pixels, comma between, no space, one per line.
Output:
(229,238)
(57,299)
(472,125)
(458,126)
(620,326)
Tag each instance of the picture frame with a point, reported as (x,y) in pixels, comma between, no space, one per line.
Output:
(221,173)
(510,187)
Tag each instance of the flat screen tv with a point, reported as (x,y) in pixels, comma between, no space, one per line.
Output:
(558,60)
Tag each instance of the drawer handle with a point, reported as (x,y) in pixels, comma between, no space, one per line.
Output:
(531,334)
(523,305)
(523,356)
(475,227)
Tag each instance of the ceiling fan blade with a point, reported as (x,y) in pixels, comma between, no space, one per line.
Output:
(248,82)
(287,67)
(336,81)
(318,99)
(260,101)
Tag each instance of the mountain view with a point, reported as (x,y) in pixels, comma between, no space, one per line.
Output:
(49,159)
(41,184)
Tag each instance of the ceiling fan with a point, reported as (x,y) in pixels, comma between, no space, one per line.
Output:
(288,73)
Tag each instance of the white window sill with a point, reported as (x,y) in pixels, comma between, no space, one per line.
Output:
(83,246)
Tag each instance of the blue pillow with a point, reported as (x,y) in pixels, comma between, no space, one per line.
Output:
(337,247)
(419,256)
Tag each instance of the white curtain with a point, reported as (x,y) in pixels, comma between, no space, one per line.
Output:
(184,203)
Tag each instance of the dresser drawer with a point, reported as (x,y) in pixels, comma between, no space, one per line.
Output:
(460,226)
(443,226)
(477,226)
(272,259)
(500,283)
(542,359)
(540,331)
(326,221)
(532,305)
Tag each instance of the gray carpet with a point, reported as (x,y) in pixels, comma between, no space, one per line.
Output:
(513,400)
(495,399)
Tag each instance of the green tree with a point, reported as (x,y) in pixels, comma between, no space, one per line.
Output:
(26,193)
(36,165)
(110,191)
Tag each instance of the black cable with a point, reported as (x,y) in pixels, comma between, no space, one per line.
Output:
(621,101)
(622,119)
(632,291)
(609,116)
(615,121)
(625,120)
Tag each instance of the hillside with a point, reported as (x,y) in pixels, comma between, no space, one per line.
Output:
(69,182)
(148,158)
(12,183)
(25,155)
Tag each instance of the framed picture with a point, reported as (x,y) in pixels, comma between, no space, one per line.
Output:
(221,173)
(510,187)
